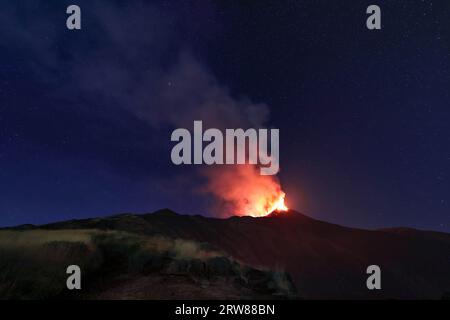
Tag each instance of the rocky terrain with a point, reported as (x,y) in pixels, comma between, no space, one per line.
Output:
(286,255)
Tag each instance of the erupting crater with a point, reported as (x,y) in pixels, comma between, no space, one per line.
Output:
(266,206)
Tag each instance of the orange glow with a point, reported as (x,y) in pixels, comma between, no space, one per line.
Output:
(245,191)
(279,205)
(266,205)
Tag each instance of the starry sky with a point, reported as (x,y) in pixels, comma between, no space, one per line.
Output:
(86,115)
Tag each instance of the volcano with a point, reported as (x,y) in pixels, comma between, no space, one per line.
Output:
(322,260)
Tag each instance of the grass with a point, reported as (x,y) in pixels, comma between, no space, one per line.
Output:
(33,263)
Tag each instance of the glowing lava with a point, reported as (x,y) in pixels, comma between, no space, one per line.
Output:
(266,206)
(279,205)
(245,192)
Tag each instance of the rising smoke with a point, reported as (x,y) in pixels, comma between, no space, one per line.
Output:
(174,88)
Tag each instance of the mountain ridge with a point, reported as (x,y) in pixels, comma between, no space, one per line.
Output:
(325,260)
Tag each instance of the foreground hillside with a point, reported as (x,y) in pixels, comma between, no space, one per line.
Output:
(324,260)
(121,265)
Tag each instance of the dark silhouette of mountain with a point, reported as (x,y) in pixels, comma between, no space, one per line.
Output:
(325,260)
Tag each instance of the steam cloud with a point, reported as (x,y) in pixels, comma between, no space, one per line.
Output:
(241,190)
(173,90)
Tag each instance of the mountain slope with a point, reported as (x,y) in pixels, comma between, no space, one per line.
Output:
(123,265)
(324,260)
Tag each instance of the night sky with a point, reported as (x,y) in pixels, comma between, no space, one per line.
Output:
(364,116)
